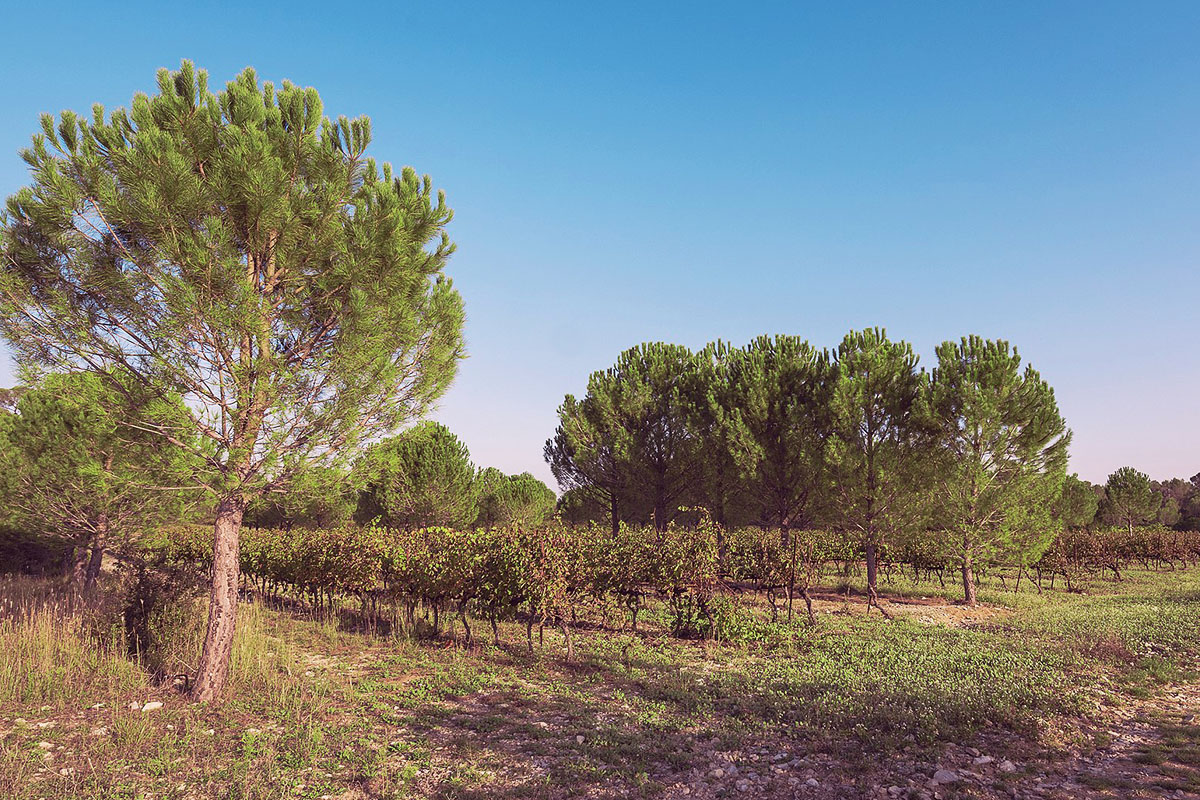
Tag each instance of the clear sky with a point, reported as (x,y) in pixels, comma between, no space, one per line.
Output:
(687,171)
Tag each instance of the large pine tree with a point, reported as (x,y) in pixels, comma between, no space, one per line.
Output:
(781,385)
(878,446)
(1129,498)
(238,249)
(1004,451)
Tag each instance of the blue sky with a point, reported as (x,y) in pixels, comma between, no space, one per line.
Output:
(687,171)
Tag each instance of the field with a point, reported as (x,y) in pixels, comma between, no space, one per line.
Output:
(1052,694)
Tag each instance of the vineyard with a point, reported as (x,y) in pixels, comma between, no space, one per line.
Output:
(558,575)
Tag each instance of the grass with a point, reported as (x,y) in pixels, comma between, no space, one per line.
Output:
(316,711)
(54,652)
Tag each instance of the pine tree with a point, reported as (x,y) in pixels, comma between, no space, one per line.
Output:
(589,457)
(1005,454)
(1077,505)
(878,450)
(519,500)
(630,438)
(1129,498)
(781,385)
(79,466)
(315,498)
(419,478)
(240,250)
(712,411)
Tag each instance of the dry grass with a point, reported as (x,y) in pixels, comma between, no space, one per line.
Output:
(62,650)
(56,650)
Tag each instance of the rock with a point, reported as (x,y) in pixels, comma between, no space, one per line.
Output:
(135,706)
(717,773)
(981,760)
(1007,766)
(45,745)
(812,782)
(579,739)
(945,776)
(45,725)
(743,785)
(20,721)
(101,731)
(153,705)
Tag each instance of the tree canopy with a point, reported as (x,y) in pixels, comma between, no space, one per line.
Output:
(1129,498)
(317,497)
(512,500)
(781,387)
(879,421)
(1077,504)
(630,439)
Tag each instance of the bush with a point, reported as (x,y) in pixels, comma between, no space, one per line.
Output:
(164,619)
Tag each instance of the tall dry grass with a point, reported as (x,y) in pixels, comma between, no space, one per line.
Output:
(56,650)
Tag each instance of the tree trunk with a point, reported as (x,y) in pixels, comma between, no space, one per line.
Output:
(99,540)
(660,507)
(566,629)
(79,567)
(872,567)
(968,579)
(94,564)
(213,670)
(872,580)
(616,522)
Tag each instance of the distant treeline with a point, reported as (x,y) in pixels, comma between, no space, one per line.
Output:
(971,455)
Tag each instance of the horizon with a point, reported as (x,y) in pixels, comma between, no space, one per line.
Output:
(622,178)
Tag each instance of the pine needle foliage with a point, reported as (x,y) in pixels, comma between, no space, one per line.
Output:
(242,249)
